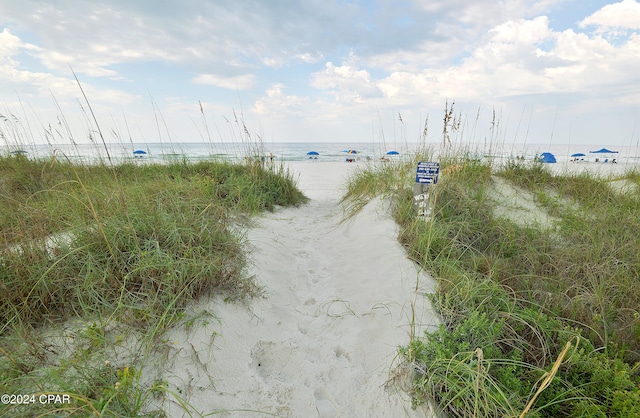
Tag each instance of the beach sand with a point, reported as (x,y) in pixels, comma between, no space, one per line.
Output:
(338,303)
(323,341)
(600,169)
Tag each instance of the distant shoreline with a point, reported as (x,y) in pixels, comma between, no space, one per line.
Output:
(297,151)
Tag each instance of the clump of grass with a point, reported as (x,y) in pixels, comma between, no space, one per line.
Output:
(124,247)
(596,268)
(367,184)
(511,296)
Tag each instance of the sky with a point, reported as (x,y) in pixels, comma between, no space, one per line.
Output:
(534,71)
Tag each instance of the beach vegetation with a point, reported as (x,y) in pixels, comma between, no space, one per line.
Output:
(97,260)
(540,315)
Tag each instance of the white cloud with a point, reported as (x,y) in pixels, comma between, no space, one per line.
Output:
(342,76)
(346,82)
(505,64)
(522,57)
(278,60)
(45,83)
(80,63)
(240,82)
(310,57)
(521,31)
(279,105)
(405,84)
(10,44)
(64,89)
(622,15)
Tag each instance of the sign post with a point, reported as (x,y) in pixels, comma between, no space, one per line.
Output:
(426,178)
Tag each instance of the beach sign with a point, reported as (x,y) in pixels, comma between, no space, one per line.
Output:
(427,172)
(426,176)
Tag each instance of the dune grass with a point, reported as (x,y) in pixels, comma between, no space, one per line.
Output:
(96,261)
(538,320)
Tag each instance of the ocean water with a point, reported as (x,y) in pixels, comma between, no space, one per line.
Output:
(233,151)
(298,151)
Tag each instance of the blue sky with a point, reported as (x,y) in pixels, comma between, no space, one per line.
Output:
(552,71)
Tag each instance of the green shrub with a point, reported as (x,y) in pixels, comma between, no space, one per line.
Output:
(126,246)
(512,296)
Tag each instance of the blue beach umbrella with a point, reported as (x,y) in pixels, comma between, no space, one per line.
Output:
(313,153)
(547,157)
(603,151)
(393,153)
(139,152)
(578,154)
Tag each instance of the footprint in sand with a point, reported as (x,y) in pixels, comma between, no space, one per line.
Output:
(316,277)
(271,360)
(302,254)
(324,406)
(303,329)
(343,356)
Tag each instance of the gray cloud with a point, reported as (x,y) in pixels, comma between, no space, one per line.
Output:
(232,37)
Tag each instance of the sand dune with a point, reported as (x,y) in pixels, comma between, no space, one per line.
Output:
(323,340)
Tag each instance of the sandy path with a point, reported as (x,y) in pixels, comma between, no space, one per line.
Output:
(323,340)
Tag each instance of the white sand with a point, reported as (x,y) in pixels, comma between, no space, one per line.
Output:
(607,170)
(323,342)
